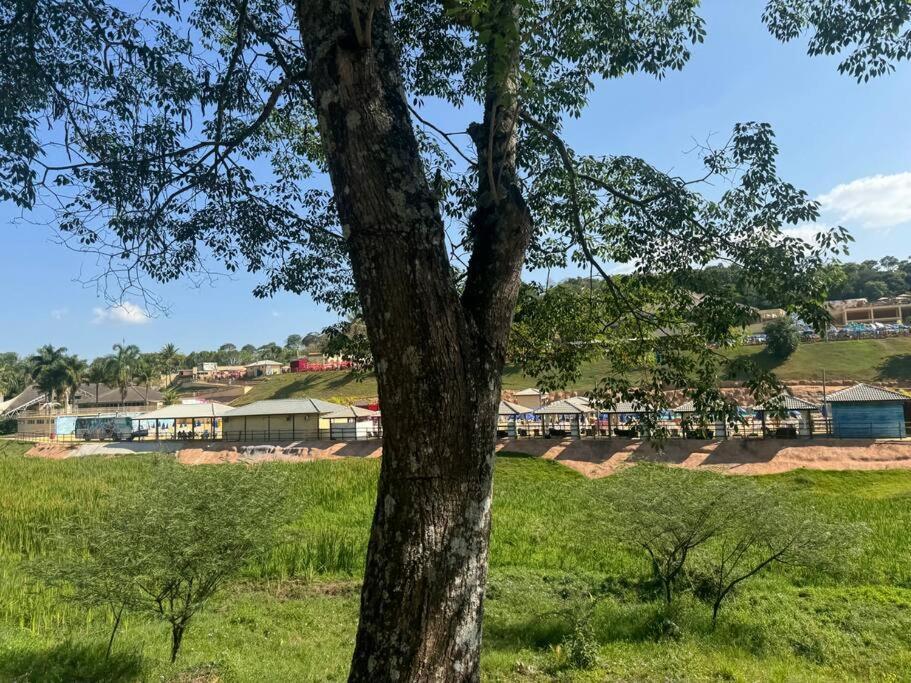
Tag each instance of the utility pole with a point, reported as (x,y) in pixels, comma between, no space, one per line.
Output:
(825,404)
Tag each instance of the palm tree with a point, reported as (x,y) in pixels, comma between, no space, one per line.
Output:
(169,356)
(123,365)
(73,371)
(98,373)
(147,369)
(46,369)
(170,396)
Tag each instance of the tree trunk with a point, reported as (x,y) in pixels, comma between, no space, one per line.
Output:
(177,630)
(118,614)
(438,357)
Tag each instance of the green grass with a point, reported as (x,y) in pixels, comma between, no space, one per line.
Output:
(866,360)
(292,614)
(342,386)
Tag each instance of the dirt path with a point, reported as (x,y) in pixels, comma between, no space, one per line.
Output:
(593,458)
(735,456)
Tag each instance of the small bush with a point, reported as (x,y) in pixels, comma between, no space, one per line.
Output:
(579,649)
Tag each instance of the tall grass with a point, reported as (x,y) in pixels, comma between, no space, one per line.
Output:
(292,613)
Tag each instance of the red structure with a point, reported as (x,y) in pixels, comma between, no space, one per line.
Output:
(305,365)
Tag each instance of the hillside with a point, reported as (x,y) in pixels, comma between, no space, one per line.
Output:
(867,360)
(864,360)
(342,385)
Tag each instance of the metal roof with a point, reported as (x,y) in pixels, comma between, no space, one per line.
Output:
(622,407)
(183,411)
(509,408)
(865,393)
(351,412)
(789,402)
(528,392)
(286,406)
(260,363)
(687,407)
(563,408)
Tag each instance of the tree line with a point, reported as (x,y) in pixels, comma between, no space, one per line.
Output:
(58,373)
(870,279)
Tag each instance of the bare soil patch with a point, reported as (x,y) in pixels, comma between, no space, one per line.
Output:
(734,456)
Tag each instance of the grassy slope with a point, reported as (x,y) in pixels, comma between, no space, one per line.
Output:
(864,360)
(292,616)
(861,360)
(343,386)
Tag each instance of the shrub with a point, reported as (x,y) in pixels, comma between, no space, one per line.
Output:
(720,531)
(667,513)
(165,548)
(782,336)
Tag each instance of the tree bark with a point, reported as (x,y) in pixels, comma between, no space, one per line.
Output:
(438,356)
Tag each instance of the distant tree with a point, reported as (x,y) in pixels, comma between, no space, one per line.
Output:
(783,337)
(14,375)
(228,354)
(74,370)
(47,369)
(98,373)
(269,351)
(122,367)
(293,342)
(148,369)
(170,396)
(169,357)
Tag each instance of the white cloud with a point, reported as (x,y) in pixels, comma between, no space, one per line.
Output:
(880,201)
(805,231)
(622,268)
(127,313)
(59,313)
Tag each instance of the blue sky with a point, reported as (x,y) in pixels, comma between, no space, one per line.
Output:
(848,145)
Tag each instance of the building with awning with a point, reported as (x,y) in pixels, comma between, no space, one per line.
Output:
(789,405)
(564,418)
(512,420)
(185,421)
(352,423)
(289,419)
(691,427)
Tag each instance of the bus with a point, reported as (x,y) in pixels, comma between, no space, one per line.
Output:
(106,428)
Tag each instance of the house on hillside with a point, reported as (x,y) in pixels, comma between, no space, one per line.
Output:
(866,411)
(263,368)
(279,420)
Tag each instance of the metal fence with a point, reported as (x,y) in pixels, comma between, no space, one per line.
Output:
(749,428)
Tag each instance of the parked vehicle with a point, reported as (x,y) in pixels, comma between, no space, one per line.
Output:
(105,428)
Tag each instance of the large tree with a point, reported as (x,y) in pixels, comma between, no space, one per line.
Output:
(187,135)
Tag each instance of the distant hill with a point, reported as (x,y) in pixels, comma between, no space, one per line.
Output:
(866,360)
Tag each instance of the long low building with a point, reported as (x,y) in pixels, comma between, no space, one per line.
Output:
(280,420)
(185,420)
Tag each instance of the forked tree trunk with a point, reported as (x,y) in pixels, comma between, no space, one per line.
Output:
(438,356)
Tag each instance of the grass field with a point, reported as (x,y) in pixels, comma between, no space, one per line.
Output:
(343,386)
(867,360)
(864,360)
(291,616)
